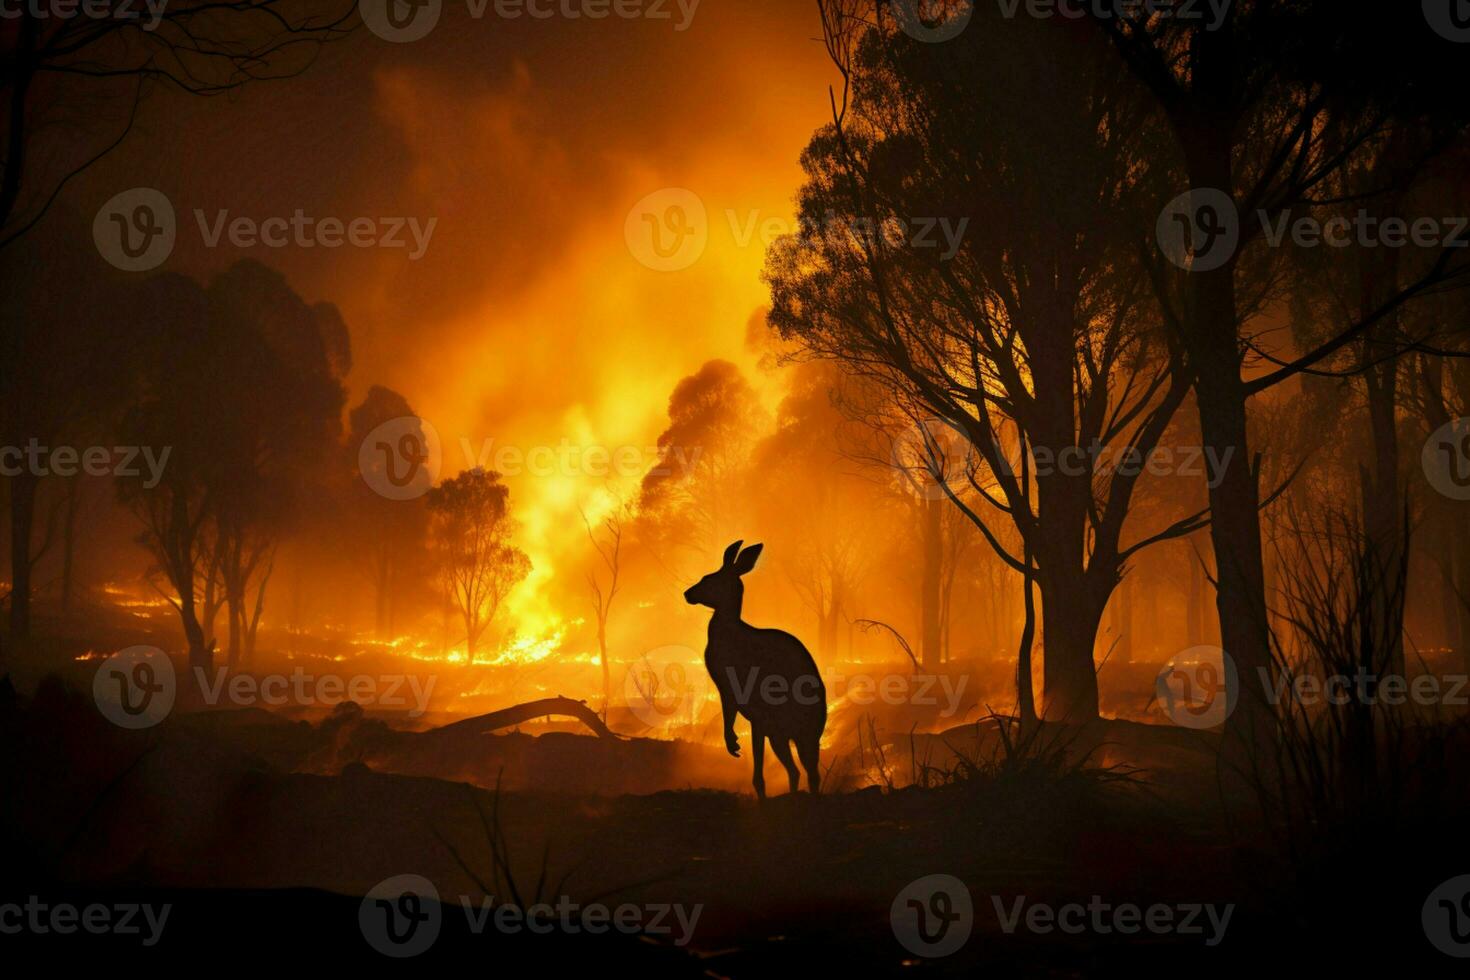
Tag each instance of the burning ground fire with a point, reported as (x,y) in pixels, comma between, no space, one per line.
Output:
(664,693)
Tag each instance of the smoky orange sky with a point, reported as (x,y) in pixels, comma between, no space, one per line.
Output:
(528,321)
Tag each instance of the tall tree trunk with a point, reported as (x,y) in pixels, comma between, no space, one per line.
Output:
(201,653)
(69,546)
(606,671)
(1025,693)
(1449,599)
(380,593)
(22,522)
(1451,519)
(390,601)
(234,610)
(252,626)
(1461,574)
(932,537)
(827,623)
(1197,617)
(1069,631)
(1206,129)
(213,600)
(1120,617)
(1383,501)
(1235,533)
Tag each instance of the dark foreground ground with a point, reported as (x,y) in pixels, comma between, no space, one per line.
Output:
(263,865)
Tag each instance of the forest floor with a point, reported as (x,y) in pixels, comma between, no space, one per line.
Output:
(259,853)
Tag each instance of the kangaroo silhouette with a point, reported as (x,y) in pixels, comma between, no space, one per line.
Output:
(766,675)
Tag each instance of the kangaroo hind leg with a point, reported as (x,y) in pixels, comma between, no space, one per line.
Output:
(758,759)
(782,748)
(809,747)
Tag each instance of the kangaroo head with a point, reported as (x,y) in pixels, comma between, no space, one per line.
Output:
(722,588)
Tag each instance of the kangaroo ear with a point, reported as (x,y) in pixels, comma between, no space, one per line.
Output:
(731,552)
(747,558)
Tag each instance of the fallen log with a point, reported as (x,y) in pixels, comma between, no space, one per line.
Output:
(521,713)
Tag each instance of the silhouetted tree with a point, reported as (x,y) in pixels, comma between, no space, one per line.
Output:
(609,550)
(62,377)
(393,532)
(98,63)
(800,469)
(288,438)
(1268,107)
(471,529)
(247,415)
(1031,323)
(691,499)
(178,403)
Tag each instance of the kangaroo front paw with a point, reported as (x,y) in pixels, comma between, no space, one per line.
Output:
(732,745)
